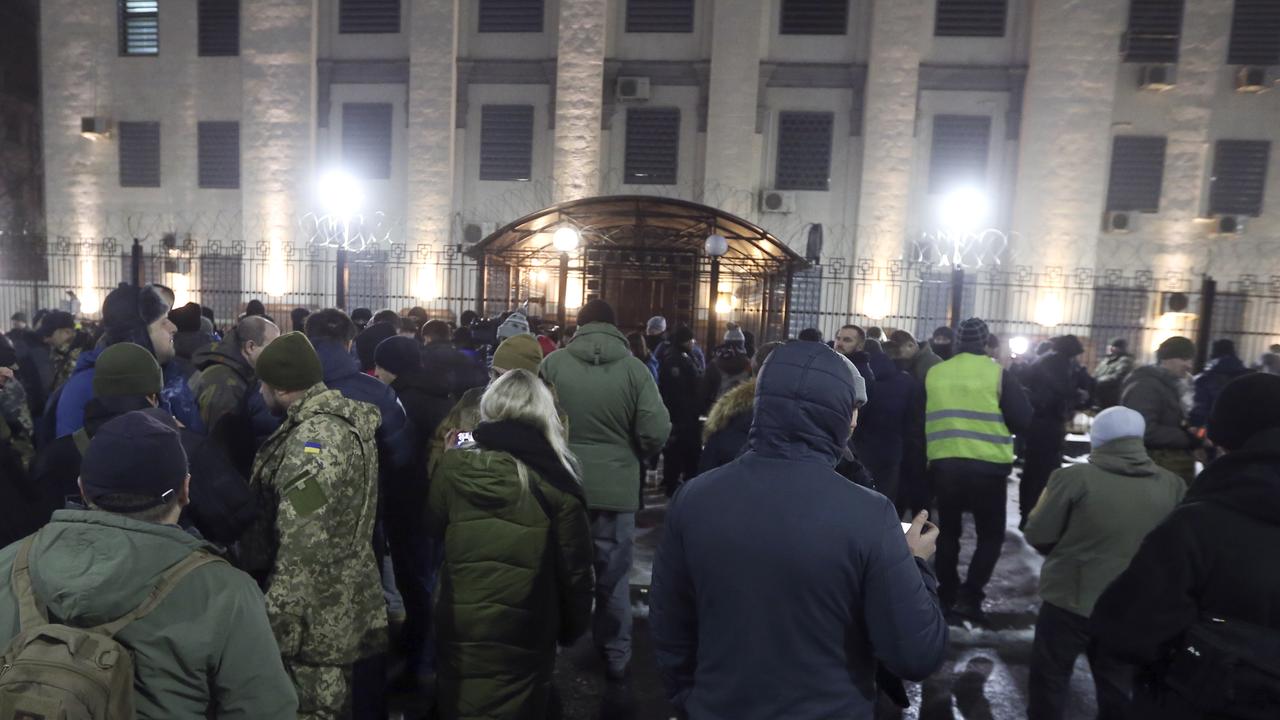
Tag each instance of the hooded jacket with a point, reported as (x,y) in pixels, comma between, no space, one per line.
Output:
(728,426)
(1157,394)
(1204,558)
(206,651)
(508,593)
(1209,385)
(779,584)
(616,415)
(1092,517)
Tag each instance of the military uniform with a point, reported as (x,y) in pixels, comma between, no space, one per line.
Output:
(64,361)
(17,418)
(316,480)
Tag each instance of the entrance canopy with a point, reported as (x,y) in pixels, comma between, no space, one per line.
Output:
(639,222)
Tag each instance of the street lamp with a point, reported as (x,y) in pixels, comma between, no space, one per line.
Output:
(566,239)
(340,196)
(963,210)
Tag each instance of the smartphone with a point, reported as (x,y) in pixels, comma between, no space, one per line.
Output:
(464,438)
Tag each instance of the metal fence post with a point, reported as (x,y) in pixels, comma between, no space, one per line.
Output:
(340,289)
(1204,329)
(957,296)
(135,263)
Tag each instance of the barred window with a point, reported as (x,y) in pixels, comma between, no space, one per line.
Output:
(959,153)
(970,18)
(1239,179)
(804,150)
(1155,29)
(814,17)
(1137,173)
(218,154)
(139,26)
(139,154)
(511,16)
(1255,33)
(219,28)
(366,139)
(659,16)
(653,146)
(506,142)
(368,16)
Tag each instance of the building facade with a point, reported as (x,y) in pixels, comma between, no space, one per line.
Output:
(1063,148)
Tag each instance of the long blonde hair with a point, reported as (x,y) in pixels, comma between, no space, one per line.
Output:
(521,396)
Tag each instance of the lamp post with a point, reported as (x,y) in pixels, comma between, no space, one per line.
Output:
(341,196)
(566,239)
(962,211)
(716,246)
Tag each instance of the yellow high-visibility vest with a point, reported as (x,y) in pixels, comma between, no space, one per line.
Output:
(962,413)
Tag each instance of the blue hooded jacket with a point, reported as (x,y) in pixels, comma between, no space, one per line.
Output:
(394,436)
(779,584)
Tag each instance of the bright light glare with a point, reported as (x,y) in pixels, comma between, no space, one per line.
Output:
(180,283)
(340,194)
(573,293)
(425,286)
(723,305)
(566,239)
(1049,310)
(876,306)
(963,209)
(90,303)
(1019,345)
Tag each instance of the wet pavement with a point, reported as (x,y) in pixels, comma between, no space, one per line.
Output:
(984,678)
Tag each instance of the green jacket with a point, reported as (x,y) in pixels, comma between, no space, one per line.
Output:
(504,599)
(616,416)
(205,652)
(1095,516)
(225,376)
(317,482)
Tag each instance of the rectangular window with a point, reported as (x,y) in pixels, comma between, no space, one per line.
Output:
(659,16)
(959,154)
(368,16)
(366,139)
(804,150)
(1239,177)
(653,146)
(814,17)
(510,16)
(218,154)
(970,18)
(1255,33)
(506,142)
(219,33)
(1137,173)
(1155,28)
(139,154)
(139,26)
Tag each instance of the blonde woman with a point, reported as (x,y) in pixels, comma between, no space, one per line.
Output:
(517,573)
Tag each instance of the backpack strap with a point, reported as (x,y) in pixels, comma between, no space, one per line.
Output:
(168,582)
(81,438)
(31,612)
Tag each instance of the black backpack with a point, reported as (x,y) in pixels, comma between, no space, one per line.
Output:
(1227,668)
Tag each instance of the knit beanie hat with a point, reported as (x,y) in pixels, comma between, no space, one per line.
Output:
(1119,343)
(519,352)
(1176,348)
(656,325)
(972,332)
(1247,406)
(135,454)
(547,344)
(368,340)
(1115,423)
(1222,348)
(186,318)
(290,363)
(56,320)
(515,324)
(596,311)
(398,354)
(125,370)
(361,316)
(734,334)
(255,307)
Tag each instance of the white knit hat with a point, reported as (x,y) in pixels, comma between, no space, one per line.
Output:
(515,324)
(656,326)
(1115,423)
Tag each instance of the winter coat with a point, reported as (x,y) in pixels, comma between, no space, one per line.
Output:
(176,396)
(460,371)
(924,361)
(727,427)
(515,580)
(1157,394)
(680,384)
(728,369)
(208,645)
(1211,555)
(1052,386)
(1109,379)
(1209,384)
(228,394)
(892,419)
(1092,517)
(221,508)
(395,435)
(35,368)
(616,415)
(778,584)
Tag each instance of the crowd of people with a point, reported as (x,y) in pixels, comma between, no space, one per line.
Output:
(258,516)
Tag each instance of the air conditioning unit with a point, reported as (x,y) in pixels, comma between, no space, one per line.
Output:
(1157,77)
(777,201)
(1119,221)
(633,89)
(95,128)
(1228,224)
(1251,79)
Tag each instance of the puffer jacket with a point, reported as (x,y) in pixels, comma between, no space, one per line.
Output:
(727,427)
(507,594)
(616,415)
(1157,394)
(779,586)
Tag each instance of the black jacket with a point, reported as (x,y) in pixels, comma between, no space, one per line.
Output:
(1213,554)
(1052,386)
(461,373)
(680,382)
(427,401)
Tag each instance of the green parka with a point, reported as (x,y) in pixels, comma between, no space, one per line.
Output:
(206,652)
(504,598)
(616,416)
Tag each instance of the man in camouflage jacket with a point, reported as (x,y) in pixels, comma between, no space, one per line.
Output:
(316,480)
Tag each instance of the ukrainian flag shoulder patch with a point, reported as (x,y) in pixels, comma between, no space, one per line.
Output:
(312,448)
